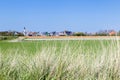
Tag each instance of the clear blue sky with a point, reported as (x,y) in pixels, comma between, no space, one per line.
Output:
(59,15)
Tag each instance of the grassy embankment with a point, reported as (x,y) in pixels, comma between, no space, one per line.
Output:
(60,60)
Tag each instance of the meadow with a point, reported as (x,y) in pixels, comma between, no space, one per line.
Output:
(60,60)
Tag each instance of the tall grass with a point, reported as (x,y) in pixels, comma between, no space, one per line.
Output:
(63,61)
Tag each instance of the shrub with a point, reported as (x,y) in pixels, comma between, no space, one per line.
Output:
(79,34)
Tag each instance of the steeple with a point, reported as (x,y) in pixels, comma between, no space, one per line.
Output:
(24,28)
(25,32)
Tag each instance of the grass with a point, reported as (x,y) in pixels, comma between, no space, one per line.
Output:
(60,60)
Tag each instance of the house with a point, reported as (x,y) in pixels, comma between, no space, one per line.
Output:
(65,33)
(54,33)
(68,33)
(45,34)
(18,33)
(33,33)
(112,33)
(61,34)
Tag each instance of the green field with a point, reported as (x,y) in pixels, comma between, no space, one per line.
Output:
(60,60)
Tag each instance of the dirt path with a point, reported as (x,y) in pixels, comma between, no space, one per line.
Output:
(19,39)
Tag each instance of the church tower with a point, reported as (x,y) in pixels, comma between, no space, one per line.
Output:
(25,32)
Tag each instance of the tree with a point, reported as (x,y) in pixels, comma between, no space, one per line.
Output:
(79,34)
(118,33)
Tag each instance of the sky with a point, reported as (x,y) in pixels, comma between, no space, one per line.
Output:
(59,15)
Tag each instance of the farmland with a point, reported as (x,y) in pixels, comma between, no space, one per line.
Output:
(60,60)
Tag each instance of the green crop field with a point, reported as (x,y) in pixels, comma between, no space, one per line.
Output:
(60,60)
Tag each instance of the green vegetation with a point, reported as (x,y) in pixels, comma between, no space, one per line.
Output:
(79,34)
(60,60)
(11,33)
(7,37)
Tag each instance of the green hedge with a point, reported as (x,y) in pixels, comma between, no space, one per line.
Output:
(8,37)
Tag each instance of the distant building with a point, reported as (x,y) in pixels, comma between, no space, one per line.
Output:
(25,32)
(112,33)
(65,33)
(61,34)
(45,34)
(54,33)
(68,33)
(33,34)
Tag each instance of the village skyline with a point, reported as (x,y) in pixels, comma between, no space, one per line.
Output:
(27,32)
